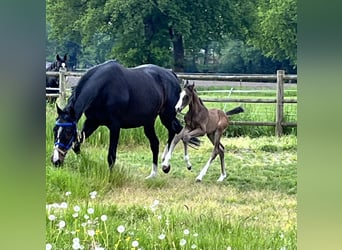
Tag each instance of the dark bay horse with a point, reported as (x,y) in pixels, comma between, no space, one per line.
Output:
(53,81)
(118,97)
(200,121)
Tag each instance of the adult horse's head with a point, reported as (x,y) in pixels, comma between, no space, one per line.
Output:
(185,96)
(61,62)
(65,133)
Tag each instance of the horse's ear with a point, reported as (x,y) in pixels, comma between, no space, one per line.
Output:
(58,58)
(186,84)
(65,56)
(59,110)
(191,85)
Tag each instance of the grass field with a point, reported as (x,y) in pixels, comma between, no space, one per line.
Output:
(254,208)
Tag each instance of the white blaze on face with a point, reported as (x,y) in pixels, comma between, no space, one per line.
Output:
(55,151)
(63,65)
(180,101)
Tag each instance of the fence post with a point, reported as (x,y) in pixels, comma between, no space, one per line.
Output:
(280,103)
(62,86)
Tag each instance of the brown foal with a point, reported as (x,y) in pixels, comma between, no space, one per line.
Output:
(200,121)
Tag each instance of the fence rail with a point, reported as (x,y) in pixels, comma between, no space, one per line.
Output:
(69,79)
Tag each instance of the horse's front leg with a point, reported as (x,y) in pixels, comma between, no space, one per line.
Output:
(166,162)
(154,145)
(89,126)
(113,143)
(186,156)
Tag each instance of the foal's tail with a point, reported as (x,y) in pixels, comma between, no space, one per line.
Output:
(235,111)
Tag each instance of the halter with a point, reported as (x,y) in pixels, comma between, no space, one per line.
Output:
(66,124)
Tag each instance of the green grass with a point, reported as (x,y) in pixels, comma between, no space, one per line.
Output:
(254,208)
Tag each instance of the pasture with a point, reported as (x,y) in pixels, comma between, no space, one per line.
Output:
(254,208)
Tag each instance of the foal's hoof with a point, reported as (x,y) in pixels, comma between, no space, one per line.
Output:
(189,167)
(166,169)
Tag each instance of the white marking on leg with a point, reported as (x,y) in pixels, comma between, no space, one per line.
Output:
(222,177)
(55,155)
(187,160)
(164,153)
(204,170)
(167,159)
(153,171)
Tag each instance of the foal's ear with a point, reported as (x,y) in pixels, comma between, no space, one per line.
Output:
(58,58)
(65,56)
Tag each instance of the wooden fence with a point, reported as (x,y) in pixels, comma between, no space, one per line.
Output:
(69,79)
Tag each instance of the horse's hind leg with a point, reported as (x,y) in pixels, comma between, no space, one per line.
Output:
(166,162)
(223,168)
(154,145)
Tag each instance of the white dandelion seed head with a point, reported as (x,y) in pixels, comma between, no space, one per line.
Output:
(182,242)
(90,210)
(86,216)
(75,240)
(229,248)
(67,193)
(186,231)
(121,229)
(93,194)
(48,246)
(75,215)
(161,236)
(77,208)
(104,217)
(64,205)
(193,246)
(91,232)
(195,234)
(61,224)
(52,217)
(76,245)
(135,243)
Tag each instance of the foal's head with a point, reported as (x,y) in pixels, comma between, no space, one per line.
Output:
(65,133)
(185,96)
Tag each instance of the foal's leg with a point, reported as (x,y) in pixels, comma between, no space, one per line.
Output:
(186,156)
(215,139)
(166,161)
(89,126)
(212,157)
(154,145)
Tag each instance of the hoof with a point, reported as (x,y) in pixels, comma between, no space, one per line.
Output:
(189,167)
(198,180)
(166,169)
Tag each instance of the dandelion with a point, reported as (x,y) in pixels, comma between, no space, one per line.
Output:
(161,237)
(75,215)
(91,232)
(86,216)
(90,210)
(182,242)
(48,246)
(283,248)
(77,208)
(52,217)
(104,217)
(68,193)
(121,229)
(64,205)
(193,246)
(61,224)
(195,234)
(135,243)
(93,194)
(229,248)
(75,240)
(186,231)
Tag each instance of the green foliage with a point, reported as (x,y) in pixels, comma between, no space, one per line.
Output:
(275,29)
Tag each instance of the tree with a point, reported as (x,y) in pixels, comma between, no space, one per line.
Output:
(275,29)
(155,31)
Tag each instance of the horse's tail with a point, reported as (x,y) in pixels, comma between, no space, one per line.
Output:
(235,111)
